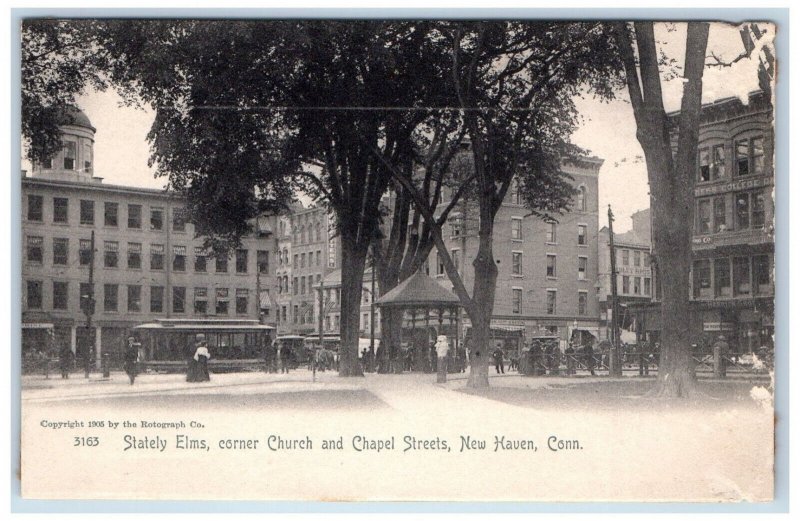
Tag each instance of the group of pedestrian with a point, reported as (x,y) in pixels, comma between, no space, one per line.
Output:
(279,358)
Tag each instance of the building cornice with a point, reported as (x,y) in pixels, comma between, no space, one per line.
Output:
(99,187)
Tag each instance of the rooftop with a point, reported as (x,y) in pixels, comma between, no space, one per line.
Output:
(419,290)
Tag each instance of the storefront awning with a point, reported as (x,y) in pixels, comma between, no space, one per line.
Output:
(508,328)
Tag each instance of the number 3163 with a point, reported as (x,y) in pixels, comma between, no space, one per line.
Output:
(86,441)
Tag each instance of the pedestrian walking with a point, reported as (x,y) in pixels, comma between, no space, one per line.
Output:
(131,357)
(285,360)
(198,362)
(644,359)
(270,355)
(65,360)
(721,349)
(498,361)
(442,347)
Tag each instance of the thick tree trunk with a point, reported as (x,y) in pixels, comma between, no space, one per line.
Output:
(390,339)
(671,183)
(481,314)
(675,374)
(353,262)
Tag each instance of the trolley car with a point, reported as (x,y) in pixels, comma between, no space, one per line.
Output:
(233,344)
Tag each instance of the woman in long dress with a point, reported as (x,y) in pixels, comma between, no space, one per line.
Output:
(201,357)
(198,361)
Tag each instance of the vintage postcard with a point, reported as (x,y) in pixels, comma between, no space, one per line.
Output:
(397,260)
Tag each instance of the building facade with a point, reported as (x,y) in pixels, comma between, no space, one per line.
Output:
(634,273)
(130,250)
(732,289)
(145,262)
(547,282)
(733,241)
(308,252)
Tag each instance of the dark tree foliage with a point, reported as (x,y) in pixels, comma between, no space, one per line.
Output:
(515,84)
(248,110)
(60,58)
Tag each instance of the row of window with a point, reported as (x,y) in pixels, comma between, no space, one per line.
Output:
(638,288)
(515,196)
(310,259)
(516,264)
(299,284)
(732,277)
(551,232)
(111,213)
(305,315)
(302,315)
(301,260)
(748,159)
(550,301)
(727,212)
(111,256)
(303,235)
(309,231)
(638,257)
(111,298)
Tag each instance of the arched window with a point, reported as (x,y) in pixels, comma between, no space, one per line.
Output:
(319,231)
(303,234)
(581,202)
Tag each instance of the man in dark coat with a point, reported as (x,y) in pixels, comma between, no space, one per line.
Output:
(569,353)
(644,359)
(131,356)
(64,360)
(286,355)
(270,354)
(498,361)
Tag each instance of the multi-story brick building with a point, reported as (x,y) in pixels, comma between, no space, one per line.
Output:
(547,282)
(634,274)
(732,284)
(146,263)
(733,243)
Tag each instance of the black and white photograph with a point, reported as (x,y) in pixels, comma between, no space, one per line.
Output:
(397,259)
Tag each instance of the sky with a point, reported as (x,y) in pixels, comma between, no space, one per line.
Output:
(608,129)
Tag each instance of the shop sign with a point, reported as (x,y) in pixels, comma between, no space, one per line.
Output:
(717,326)
(736,186)
(507,322)
(750,237)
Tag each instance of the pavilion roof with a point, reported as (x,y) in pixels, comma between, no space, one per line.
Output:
(419,290)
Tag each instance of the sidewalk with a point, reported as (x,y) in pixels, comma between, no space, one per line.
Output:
(37,388)
(396,390)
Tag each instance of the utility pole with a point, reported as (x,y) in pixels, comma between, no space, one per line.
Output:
(615,363)
(258,289)
(372,320)
(89,311)
(321,307)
